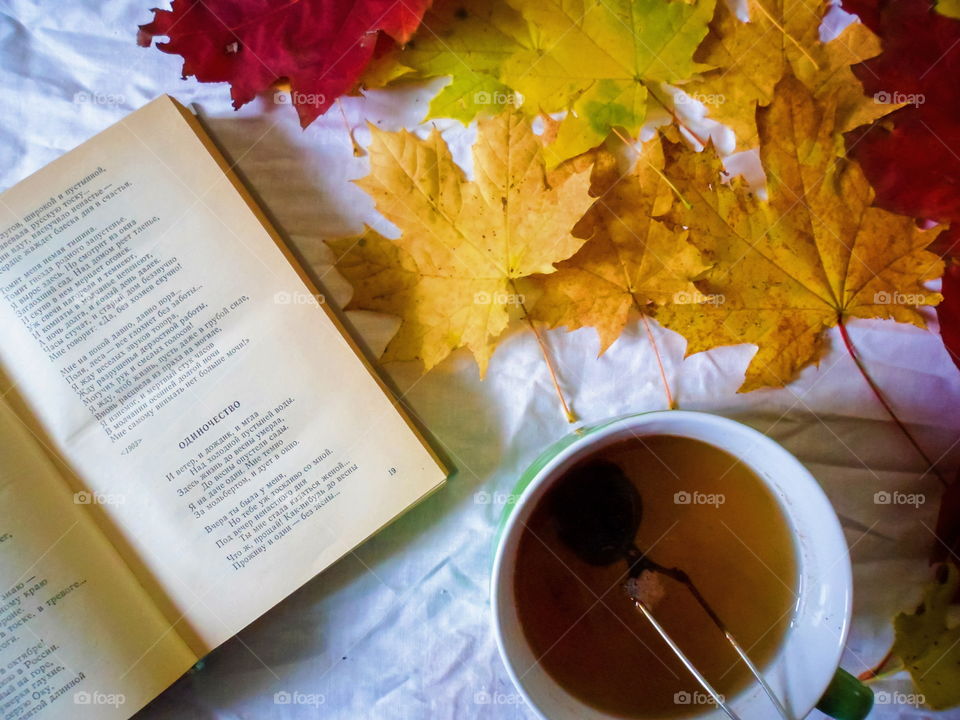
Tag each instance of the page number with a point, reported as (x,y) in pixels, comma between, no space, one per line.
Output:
(392,471)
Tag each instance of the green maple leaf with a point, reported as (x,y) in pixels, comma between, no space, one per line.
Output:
(602,60)
(468,41)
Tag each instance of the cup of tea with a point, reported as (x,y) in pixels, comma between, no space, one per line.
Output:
(707,524)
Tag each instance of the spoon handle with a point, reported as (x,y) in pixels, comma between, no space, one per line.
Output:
(704,683)
(756,673)
(642,562)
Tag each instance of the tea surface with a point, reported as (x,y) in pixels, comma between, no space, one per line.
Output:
(702,511)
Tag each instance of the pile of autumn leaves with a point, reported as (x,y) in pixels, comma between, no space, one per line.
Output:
(554,230)
(551,228)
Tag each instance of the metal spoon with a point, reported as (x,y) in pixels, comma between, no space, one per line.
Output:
(599,511)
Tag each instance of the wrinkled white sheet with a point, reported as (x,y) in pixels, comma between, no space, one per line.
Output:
(401,628)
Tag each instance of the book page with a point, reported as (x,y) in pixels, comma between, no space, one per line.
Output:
(79,638)
(182,367)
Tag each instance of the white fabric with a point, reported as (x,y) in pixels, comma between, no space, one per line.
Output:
(401,628)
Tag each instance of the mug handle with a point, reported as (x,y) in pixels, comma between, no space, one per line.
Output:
(846,698)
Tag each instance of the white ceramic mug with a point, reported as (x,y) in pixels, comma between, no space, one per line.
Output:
(807,660)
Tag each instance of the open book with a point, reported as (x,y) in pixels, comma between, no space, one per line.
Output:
(187,434)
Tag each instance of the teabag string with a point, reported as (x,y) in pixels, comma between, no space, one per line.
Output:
(599,512)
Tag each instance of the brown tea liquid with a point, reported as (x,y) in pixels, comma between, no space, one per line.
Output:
(703,512)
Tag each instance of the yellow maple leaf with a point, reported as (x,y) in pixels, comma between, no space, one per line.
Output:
(949,8)
(451,275)
(785,270)
(632,260)
(781,36)
(385,279)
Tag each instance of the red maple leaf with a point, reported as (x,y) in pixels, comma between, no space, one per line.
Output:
(320,46)
(914,165)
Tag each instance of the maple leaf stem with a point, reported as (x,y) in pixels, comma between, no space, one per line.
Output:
(676,191)
(877,669)
(883,400)
(571,418)
(358,151)
(671,404)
